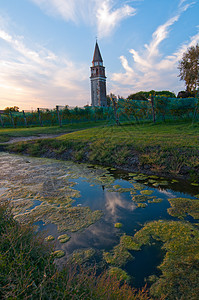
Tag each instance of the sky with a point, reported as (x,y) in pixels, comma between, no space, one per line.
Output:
(47,46)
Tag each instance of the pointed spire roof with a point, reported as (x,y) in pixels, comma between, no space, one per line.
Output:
(97,55)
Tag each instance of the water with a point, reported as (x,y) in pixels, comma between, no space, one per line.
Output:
(29,182)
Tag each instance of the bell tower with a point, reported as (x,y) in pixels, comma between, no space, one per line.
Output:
(98,80)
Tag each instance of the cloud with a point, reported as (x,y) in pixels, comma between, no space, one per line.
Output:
(39,76)
(108,19)
(101,13)
(114,203)
(150,68)
(158,36)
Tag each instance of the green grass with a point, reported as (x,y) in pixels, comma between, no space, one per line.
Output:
(165,147)
(7,133)
(142,135)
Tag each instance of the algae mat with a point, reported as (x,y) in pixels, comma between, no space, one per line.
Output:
(41,190)
(91,213)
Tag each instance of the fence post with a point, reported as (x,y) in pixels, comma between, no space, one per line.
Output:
(115,111)
(196,108)
(153,111)
(25,120)
(2,124)
(40,119)
(12,119)
(58,116)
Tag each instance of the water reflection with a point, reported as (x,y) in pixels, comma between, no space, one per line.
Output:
(114,203)
(55,182)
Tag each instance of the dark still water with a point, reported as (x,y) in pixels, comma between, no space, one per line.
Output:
(54,192)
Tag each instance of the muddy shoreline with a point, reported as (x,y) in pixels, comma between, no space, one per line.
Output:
(132,164)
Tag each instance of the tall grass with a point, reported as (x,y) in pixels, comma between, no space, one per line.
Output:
(27,270)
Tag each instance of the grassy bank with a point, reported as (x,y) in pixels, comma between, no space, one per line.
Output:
(167,149)
(7,133)
(28,270)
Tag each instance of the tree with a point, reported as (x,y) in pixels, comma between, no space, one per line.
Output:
(189,68)
(142,95)
(13,109)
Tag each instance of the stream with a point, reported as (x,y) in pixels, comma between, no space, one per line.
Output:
(93,205)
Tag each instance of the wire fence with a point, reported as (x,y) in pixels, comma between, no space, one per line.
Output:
(120,110)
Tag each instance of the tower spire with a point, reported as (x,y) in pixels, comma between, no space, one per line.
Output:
(97,58)
(98,79)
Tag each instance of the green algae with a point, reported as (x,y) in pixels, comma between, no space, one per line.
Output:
(119,189)
(120,274)
(140,198)
(133,192)
(117,186)
(120,254)
(128,242)
(140,177)
(118,225)
(174,181)
(58,253)
(49,238)
(156,184)
(132,174)
(50,190)
(180,272)
(152,181)
(125,190)
(138,186)
(63,238)
(21,205)
(72,218)
(118,257)
(146,192)
(154,176)
(81,256)
(49,182)
(181,207)
(155,200)
(142,205)
(195,184)
(163,183)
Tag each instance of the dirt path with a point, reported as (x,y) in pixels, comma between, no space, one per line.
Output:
(30,138)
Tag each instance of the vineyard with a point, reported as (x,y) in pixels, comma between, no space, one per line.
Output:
(121,110)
